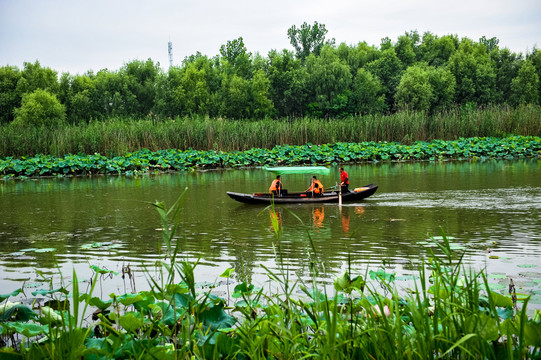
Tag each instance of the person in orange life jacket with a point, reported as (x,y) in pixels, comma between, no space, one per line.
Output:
(344,180)
(276,186)
(316,188)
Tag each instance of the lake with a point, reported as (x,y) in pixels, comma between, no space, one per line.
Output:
(491,210)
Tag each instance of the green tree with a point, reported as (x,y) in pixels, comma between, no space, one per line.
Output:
(9,98)
(357,56)
(414,91)
(475,77)
(78,92)
(436,51)
(506,65)
(170,95)
(489,44)
(235,97)
(34,77)
(330,81)
(525,87)
(443,88)
(40,108)
(407,47)
(261,104)
(367,96)
(139,79)
(196,90)
(308,39)
(237,59)
(288,83)
(388,68)
(535,58)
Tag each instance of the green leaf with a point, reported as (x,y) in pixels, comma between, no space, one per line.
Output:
(217,318)
(500,300)
(131,321)
(102,271)
(26,329)
(227,273)
(45,250)
(16,311)
(14,293)
(346,284)
(50,316)
(127,299)
(381,275)
(47,292)
(99,303)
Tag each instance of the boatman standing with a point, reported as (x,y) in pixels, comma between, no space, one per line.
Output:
(276,186)
(344,180)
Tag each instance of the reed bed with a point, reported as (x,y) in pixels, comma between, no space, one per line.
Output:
(118,136)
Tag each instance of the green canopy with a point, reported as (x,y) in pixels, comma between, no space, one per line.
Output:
(320,170)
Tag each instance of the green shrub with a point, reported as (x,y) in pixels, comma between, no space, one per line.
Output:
(40,108)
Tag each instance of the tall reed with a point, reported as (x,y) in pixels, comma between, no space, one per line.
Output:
(117,136)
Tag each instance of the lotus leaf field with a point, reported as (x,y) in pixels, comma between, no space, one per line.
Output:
(144,161)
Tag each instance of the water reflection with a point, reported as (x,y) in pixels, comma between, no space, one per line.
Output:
(479,204)
(318,215)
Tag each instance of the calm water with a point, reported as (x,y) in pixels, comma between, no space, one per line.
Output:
(491,209)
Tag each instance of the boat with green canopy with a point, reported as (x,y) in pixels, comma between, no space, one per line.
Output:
(331,195)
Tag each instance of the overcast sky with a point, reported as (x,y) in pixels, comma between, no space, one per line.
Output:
(79,35)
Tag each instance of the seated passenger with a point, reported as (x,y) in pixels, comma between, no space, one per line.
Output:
(276,186)
(316,188)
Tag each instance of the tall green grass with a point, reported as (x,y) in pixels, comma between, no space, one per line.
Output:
(119,136)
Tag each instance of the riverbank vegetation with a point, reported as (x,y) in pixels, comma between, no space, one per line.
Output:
(449,311)
(119,136)
(424,73)
(146,161)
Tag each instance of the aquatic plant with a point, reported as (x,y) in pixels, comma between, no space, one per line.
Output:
(449,312)
(146,161)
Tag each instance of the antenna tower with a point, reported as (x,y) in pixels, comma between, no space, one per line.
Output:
(170,51)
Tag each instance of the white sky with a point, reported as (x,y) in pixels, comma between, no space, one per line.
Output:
(79,35)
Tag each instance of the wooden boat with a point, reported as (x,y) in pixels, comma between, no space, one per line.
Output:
(296,198)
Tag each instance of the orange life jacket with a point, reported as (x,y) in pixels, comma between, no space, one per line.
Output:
(317,190)
(275,186)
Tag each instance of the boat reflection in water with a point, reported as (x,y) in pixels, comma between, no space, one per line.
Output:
(275,219)
(318,215)
(345,215)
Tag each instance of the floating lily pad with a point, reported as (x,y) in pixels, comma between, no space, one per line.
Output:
(45,250)
(441,237)
(527,266)
(114,246)
(33,285)
(497,276)
(28,250)
(493,257)
(494,286)
(406,277)
(457,247)
(17,253)
(531,275)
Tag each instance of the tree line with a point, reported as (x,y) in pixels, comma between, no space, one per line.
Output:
(317,79)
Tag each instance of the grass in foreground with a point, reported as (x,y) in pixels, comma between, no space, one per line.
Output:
(450,312)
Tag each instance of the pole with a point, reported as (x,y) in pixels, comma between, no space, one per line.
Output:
(339,195)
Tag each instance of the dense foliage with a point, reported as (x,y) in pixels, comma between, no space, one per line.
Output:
(319,80)
(448,312)
(174,160)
